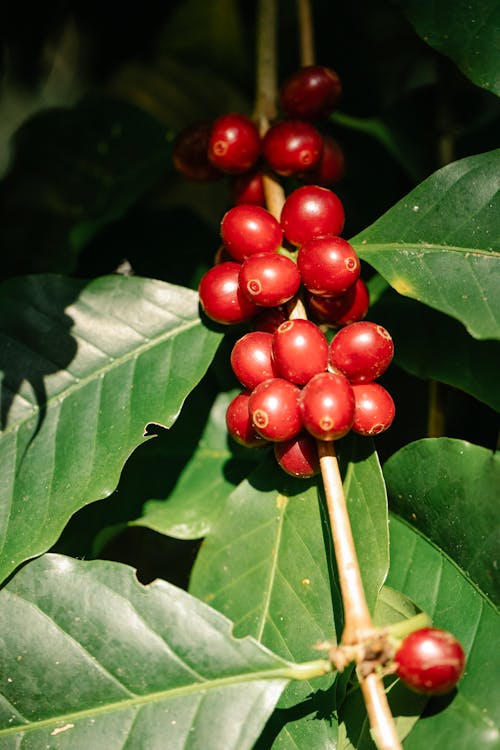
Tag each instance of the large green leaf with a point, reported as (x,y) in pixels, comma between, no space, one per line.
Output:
(468,32)
(469,717)
(452,264)
(84,368)
(448,489)
(92,659)
(268,564)
(439,348)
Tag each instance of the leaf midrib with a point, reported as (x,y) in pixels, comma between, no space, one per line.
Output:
(423,247)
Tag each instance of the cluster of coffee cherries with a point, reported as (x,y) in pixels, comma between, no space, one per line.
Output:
(430,661)
(299,387)
(292,147)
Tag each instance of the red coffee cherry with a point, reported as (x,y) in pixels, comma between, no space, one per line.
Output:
(247,229)
(311,211)
(328,266)
(274,409)
(239,424)
(234,143)
(248,188)
(300,350)
(362,351)
(349,307)
(292,147)
(312,91)
(298,456)
(327,406)
(221,297)
(269,319)
(331,165)
(374,409)
(251,359)
(430,661)
(190,155)
(269,279)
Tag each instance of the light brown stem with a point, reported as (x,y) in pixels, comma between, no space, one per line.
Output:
(307,54)
(435,416)
(267,82)
(379,713)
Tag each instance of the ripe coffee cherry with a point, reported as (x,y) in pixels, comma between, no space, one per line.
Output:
(331,165)
(430,661)
(312,91)
(311,211)
(327,406)
(328,265)
(221,297)
(300,350)
(239,424)
(269,279)
(190,156)
(234,143)
(251,359)
(298,456)
(292,147)
(348,307)
(247,229)
(269,319)
(248,188)
(274,409)
(374,409)
(362,351)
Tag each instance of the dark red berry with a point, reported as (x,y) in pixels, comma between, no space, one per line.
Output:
(234,143)
(311,211)
(251,359)
(292,147)
(248,229)
(300,350)
(362,351)
(239,424)
(222,256)
(328,265)
(269,279)
(312,91)
(349,307)
(269,319)
(274,409)
(298,456)
(374,409)
(190,153)
(221,297)
(327,406)
(331,166)
(430,661)
(248,188)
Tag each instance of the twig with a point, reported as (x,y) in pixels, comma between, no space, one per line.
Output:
(307,53)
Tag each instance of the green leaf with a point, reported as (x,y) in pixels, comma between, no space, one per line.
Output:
(123,665)
(469,717)
(468,32)
(195,503)
(450,264)
(448,489)
(439,348)
(84,368)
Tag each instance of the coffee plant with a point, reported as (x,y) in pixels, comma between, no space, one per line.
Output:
(249,357)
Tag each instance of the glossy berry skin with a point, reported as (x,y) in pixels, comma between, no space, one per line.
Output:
(234,143)
(362,351)
(374,409)
(312,91)
(327,406)
(239,424)
(274,409)
(269,319)
(349,307)
(292,147)
(190,155)
(331,165)
(269,279)
(248,229)
(430,661)
(311,211)
(248,188)
(221,297)
(251,359)
(328,266)
(300,350)
(298,456)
